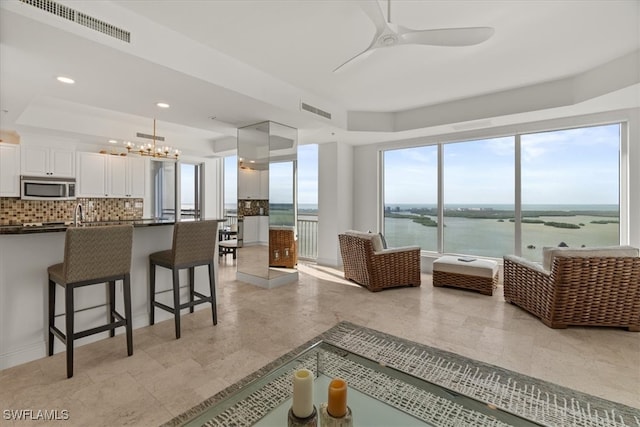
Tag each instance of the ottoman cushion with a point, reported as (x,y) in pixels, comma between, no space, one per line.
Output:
(478,267)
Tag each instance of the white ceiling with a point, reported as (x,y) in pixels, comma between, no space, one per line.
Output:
(247,61)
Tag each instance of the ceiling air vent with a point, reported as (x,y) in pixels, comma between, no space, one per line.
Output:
(316,110)
(80,18)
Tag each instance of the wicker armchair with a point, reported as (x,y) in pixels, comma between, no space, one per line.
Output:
(367,263)
(283,247)
(590,287)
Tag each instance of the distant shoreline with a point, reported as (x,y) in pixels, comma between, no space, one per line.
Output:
(490,213)
(424,216)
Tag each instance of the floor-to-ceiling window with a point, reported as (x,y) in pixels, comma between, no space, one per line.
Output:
(564,183)
(230,186)
(190,191)
(478,191)
(308,201)
(411,197)
(570,188)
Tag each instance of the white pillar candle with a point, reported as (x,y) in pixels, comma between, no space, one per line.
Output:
(302,393)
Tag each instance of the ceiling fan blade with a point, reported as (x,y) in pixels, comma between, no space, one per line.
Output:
(373,11)
(357,57)
(468,36)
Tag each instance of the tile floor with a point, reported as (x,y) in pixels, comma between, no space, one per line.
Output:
(165,377)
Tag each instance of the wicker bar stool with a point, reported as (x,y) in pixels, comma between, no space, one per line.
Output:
(194,244)
(92,255)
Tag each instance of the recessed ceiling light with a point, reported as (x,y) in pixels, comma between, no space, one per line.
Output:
(66,80)
(163,105)
(113,141)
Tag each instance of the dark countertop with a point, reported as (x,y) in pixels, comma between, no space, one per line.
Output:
(19,229)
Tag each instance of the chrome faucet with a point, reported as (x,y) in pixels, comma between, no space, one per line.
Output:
(77,214)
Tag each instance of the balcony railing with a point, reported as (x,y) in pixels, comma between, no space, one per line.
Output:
(307,234)
(308,237)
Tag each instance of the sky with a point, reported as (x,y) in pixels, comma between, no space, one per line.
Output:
(307,178)
(573,166)
(576,166)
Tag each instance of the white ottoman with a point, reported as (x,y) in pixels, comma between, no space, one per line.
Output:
(476,274)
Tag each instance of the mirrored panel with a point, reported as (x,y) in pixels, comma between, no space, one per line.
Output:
(283,250)
(253,200)
(267,205)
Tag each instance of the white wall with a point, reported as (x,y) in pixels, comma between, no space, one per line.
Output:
(335,199)
(366,179)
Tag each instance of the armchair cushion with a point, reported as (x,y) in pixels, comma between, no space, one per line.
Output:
(375,238)
(548,253)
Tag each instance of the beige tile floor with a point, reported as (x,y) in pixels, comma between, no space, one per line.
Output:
(165,377)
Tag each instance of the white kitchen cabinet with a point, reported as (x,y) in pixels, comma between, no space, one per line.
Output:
(263,230)
(116,176)
(250,230)
(248,184)
(46,161)
(91,178)
(253,184)
(101,175)
(136,176)
(264,185)
(9,170)
(255,230)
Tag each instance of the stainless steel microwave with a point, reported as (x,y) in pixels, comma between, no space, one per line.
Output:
(43,188)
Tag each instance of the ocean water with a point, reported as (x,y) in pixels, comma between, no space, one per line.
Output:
(493,238)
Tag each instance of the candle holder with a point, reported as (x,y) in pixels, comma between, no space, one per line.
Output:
(310,421)
(336,412)
(327,420)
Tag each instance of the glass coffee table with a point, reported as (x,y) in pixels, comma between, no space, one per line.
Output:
(378,396)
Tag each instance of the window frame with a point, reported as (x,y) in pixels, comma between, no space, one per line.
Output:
(517,133)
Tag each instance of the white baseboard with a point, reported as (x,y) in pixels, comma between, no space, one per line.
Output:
(25,354)
(38,350)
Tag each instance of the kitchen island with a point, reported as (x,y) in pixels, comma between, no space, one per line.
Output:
(25,254)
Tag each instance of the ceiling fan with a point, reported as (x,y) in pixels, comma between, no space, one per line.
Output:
(389,34)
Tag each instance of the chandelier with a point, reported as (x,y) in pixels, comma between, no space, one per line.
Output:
(150,148)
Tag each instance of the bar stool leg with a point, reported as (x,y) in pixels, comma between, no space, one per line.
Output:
(69,312)
(176,300)
(152,293)
(191,286)
(212,289)
(52,314)
(127,312)
(112,305)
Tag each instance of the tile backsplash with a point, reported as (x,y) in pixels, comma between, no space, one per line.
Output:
(14,211)
(251,207)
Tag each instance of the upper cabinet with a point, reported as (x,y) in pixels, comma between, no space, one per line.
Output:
(91,177)
(125,176)
(136,175)
(253,184)
(47,161)
(9,170)
(102,175)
